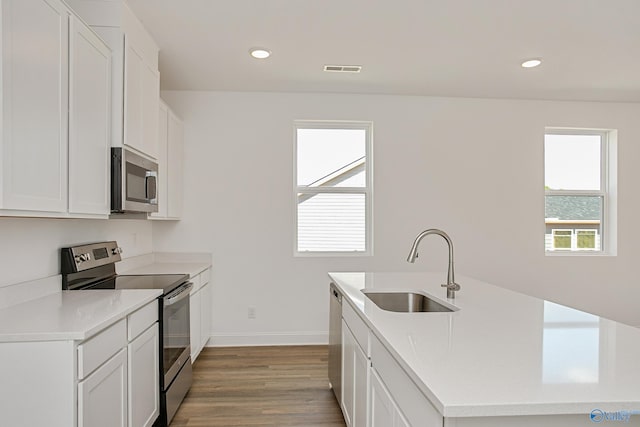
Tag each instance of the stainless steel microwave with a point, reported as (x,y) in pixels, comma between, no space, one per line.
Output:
(134,182)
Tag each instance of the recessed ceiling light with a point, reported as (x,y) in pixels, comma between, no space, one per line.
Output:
(259,52)
(531,63)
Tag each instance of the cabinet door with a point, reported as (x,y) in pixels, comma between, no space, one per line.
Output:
(102,396)
(382,407)
(348,373)
(35,99)
(175,167)
(133,64)
(150,79)
(355,371)
(89,124)
(205,313)
(144,381)
(384,411)
(163,177)
(194,324)
(361,387)
(141,101)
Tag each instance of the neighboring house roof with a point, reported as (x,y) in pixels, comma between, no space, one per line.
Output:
(572,207)
(336,177)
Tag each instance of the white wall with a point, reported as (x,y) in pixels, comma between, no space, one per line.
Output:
(469,166)
(30,247)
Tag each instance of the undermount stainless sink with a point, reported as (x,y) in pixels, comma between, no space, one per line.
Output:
(405,302)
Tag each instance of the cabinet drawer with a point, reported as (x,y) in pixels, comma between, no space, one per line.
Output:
(97,350)
(417,409)
(356,324)
(141,319)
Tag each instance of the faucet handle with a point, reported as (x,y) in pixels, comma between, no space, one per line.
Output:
(452,286)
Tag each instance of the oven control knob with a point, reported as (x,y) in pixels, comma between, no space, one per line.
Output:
(82,258)
(116,251)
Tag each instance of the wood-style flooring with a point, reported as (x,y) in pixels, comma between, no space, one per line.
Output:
(260,386)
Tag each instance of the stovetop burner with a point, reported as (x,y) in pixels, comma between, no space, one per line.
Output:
(166,282)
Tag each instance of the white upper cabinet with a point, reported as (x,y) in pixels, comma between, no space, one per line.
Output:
(89,121)
(141,101)
(170,164)
(56,87)
(163,129)
(133,65)
(34,105)
(175,155)
(150,102)
(136,81)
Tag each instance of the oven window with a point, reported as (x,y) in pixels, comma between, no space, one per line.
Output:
(176,332)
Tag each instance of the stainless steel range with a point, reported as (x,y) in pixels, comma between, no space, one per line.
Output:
(92,266)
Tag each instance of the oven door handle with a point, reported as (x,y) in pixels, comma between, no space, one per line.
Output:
(178,296)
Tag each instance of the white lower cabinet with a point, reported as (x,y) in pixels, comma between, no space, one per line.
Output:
(355,371)
(200,313)
(376,392)
(205,309)
(348,374)
(108,380)
(411,403)
(361,384)
(355,368)
(195,313)
(384,412)
(144,371)
(102,396)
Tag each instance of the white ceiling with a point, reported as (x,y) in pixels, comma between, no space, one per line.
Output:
(469,48)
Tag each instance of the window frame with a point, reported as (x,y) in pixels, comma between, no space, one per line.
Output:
(606,227)
(367,190)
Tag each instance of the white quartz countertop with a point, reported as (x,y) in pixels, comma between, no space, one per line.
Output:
(70,315)
(190,268)
(502,353)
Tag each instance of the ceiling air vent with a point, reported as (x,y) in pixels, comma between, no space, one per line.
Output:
(343,68)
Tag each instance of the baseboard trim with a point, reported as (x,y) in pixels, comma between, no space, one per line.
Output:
(265,339)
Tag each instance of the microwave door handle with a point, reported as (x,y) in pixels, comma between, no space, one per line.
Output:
(151,182)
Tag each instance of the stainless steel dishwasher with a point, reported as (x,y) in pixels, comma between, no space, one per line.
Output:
(335,341)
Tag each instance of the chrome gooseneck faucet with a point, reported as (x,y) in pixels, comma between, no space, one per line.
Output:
(451,284)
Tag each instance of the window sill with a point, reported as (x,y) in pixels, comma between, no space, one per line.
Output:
(313,254)
(577,254)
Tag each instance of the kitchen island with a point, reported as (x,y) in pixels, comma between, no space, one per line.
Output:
(501,358)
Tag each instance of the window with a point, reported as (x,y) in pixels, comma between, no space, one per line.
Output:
(577,191)
(562,239)
(576,240)
(333,187)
